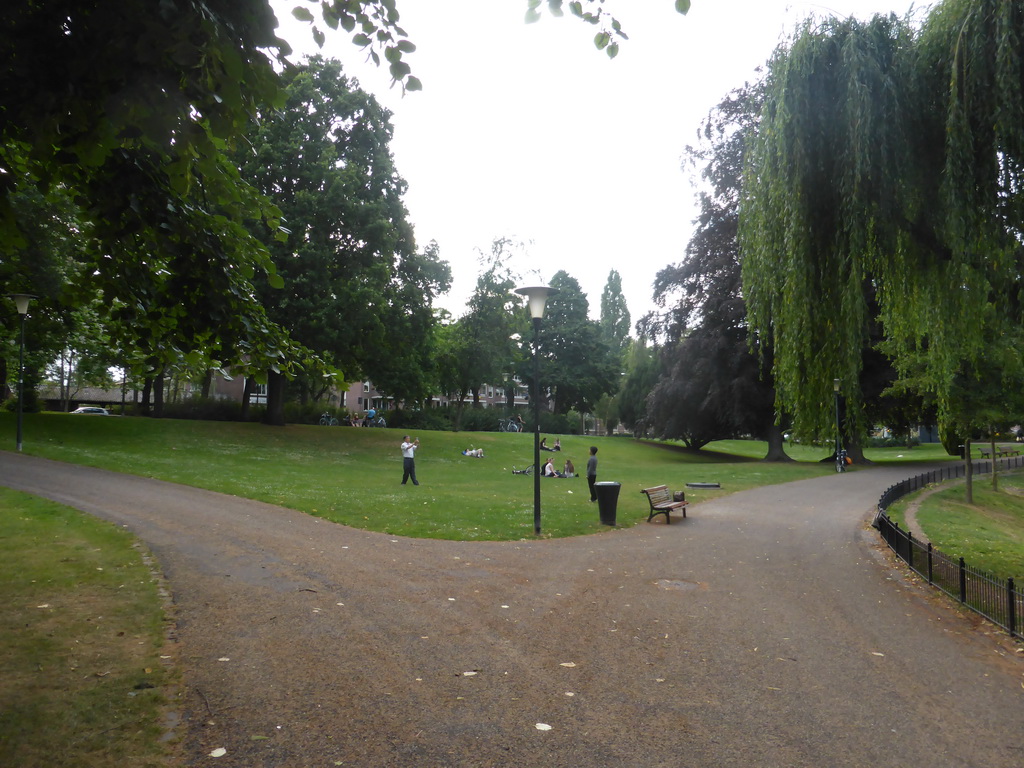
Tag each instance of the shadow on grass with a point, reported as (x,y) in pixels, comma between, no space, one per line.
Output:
(700,455)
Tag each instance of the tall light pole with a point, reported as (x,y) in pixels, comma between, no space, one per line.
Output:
(839,433)
(536,297)
(21,301)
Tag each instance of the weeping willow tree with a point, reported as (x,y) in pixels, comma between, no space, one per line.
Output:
(884,187)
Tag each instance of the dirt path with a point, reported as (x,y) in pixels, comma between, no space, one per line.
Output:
(767,630)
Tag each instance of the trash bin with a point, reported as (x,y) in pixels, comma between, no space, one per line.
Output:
(607,501)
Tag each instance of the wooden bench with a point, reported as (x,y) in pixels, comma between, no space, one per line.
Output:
(986,452)
(662,503)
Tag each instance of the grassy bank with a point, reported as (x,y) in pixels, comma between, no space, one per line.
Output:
(81,681)
(988,534)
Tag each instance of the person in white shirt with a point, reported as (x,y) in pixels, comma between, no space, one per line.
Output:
(409,459)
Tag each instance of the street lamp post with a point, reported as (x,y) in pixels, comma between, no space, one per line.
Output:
(21,301)
(839,433)
(536,297)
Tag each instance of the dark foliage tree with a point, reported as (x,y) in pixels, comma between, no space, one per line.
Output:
(713,385)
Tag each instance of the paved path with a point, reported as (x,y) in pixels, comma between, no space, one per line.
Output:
(769,629)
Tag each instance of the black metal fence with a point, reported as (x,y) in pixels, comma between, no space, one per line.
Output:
(996,600)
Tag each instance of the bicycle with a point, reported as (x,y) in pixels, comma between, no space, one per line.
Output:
(326,420)
(509,425)
(527,471)
(377,421)
(841,460)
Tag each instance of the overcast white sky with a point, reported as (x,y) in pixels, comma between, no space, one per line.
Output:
(527,131)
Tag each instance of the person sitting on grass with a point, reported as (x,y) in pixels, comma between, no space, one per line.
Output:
(570,469)
(544,445)
(550,471)
(475,452)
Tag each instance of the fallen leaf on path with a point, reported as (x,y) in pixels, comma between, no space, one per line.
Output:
(567,664)
(223,658)
(876,653)
(543,727)
(218,752)
(468,674)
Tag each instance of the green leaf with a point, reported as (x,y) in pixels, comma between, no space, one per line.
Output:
(613,50)
(532,16)
(302,14)
(413,83)
(319,37)
(399,70)
(361,40)
(682,6)
(601,40)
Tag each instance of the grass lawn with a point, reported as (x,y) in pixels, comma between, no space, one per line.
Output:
(352,476)
(988,534)
(81,681)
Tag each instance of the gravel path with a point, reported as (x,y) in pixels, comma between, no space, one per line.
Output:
(768,629)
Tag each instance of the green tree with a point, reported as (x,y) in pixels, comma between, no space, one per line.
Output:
(577,367)
(353,282)
(887,169)
(642,372)
(491,322)
(615,321)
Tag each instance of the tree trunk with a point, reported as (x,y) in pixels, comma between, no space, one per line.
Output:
(855,450)
(5,390)
(274,415)
(247,388)
(147,392)
(207,383)
(158,393)
(968,472)
(776,443)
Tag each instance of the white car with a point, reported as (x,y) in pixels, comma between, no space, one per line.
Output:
(93,410)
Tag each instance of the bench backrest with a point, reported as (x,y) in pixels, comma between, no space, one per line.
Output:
(658,495)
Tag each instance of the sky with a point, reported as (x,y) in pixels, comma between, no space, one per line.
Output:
(528,132)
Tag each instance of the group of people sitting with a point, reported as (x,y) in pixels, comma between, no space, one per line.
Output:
(568,471)
(544,445)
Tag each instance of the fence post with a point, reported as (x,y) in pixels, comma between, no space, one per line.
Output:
(1011,606)
(929,562)
(910,549)
(963,581)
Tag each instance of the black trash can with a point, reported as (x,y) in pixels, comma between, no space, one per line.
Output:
(607,501)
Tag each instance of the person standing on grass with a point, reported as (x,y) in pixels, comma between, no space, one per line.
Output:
(409,459)
(592,472)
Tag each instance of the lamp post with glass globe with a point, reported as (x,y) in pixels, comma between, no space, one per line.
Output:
(21,301)
(536,297)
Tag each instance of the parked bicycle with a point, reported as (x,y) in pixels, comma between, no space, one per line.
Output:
(527,471)
(377,421)
(327,420)
(841,461)
(509,425)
